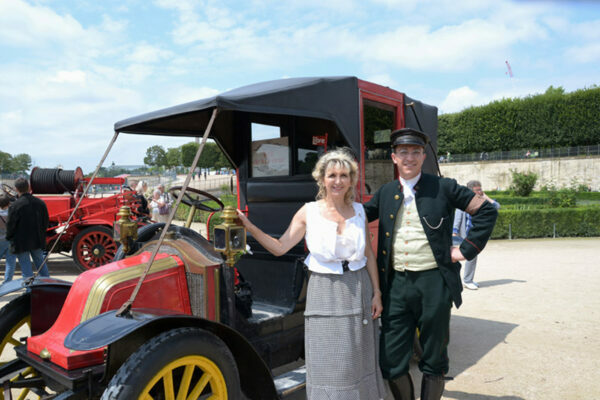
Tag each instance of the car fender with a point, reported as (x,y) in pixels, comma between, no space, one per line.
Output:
(18,284)
(47,296)
(124,334)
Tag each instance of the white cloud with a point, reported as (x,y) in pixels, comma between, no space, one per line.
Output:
(459,99)
(588,53)
(75,76)
(146,53)
(24,25)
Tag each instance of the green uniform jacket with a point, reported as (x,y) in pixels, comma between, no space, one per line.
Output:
(436,200)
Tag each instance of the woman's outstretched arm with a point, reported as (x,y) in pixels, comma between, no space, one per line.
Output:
(294,233)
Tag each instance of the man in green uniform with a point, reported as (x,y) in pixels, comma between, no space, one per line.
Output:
(418,267)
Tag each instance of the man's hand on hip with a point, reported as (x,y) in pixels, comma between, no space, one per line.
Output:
(456,254)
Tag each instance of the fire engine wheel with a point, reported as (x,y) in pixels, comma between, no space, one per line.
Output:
(15,323)
(145,233)
(93,247)
(184,363)
(9,190)
(198,198)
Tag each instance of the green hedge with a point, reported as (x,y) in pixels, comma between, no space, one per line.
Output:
(506,200)
(552,119)
(588,196)
(570,222)
(540,198)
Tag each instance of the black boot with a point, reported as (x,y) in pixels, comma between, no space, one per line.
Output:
(402,388)
(432,387)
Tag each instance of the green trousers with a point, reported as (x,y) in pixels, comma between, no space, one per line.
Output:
(415,300)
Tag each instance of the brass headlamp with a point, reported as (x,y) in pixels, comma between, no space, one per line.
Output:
(229,237)
(125,230)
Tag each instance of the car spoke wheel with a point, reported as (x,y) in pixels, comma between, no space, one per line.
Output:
(187,378)
(15,323)
(183,363)
(93,247)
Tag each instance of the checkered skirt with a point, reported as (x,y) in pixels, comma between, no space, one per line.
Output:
(341,349)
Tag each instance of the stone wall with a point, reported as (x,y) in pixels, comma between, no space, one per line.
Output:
(560,172)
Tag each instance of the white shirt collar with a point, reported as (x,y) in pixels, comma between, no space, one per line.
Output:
(408,188)
(410,183)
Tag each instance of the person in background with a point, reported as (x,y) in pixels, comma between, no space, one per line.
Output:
(166,199)
(155,206)
(11,259)
(418,267)
(343,297)
(460,230)
(140,195)
(26,229)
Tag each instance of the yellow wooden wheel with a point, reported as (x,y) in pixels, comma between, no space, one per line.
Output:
(15,323)
(187,378)
(10,340)
(180,364)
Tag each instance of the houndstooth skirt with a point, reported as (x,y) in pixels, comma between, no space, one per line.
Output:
(342,361)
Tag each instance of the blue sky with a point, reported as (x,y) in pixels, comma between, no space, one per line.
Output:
(69,69)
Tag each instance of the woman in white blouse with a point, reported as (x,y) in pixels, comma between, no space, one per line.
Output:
(343,300)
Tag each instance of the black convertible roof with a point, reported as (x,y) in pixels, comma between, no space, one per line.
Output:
(331,98)
(334,99)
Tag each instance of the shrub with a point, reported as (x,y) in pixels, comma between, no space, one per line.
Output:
(523,182)
(563,198)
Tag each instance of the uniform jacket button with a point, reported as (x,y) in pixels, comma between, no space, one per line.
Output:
(396,197)
(391,216)
(384,252)
(387,234)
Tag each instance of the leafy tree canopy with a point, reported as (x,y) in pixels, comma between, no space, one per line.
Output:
(156,156)
(173,157)
(20,163)
(211,157)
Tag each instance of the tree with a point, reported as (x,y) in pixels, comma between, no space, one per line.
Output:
(211,157)
(5,162)
(156,156)
(21,163)
(173,157)
(188,152)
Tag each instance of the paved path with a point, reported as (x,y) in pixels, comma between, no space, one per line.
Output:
(532,330)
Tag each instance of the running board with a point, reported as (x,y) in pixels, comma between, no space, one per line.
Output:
(290,382)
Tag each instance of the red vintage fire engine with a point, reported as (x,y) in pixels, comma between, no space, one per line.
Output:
(89,234)
(170,319)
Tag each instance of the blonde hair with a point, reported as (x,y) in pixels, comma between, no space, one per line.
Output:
(140,187)
(341,158)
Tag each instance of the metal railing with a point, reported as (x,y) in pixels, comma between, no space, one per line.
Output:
(524,154)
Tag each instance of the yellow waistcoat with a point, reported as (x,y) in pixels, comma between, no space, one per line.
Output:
(411,247)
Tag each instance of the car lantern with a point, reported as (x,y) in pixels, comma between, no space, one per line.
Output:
(229,237)
(125,230)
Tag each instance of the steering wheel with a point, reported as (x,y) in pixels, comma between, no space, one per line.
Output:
(9,190)
(198,200)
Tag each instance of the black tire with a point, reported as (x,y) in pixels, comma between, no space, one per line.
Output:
(14,316)
(177,351)
(93,247)
(145,233)
(15,322)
